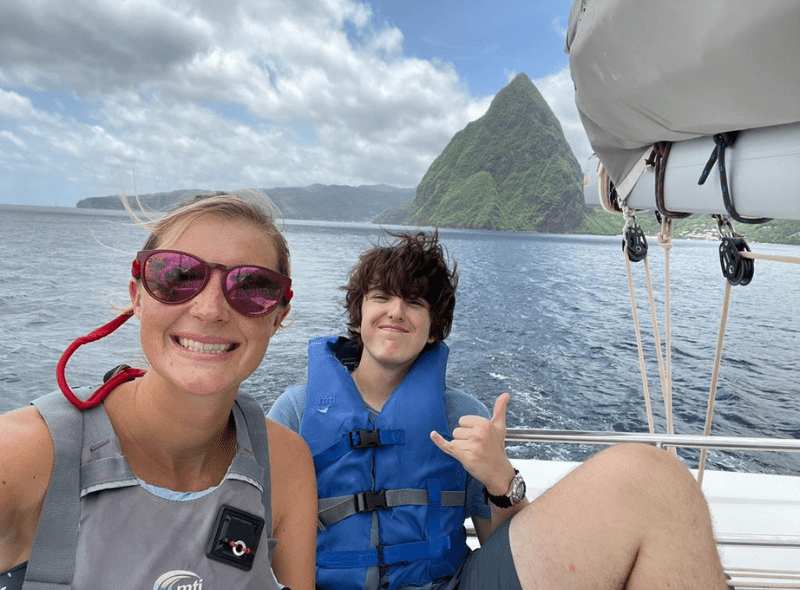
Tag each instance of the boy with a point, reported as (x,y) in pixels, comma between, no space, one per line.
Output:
(402,459)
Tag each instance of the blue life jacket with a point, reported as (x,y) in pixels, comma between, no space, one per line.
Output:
(390,470)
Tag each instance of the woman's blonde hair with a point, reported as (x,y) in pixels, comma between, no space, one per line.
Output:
(251,206)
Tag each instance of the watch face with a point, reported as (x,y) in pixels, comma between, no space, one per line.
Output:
(517,489)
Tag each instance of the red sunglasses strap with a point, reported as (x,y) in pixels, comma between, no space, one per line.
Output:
(107,387)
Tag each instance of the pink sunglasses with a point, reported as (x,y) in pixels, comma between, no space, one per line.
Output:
(173,277)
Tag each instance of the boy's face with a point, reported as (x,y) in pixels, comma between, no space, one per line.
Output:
(394,330)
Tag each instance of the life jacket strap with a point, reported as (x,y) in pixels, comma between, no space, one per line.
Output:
(332,510)
(357,440)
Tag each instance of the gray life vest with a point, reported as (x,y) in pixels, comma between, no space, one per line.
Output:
(100,529)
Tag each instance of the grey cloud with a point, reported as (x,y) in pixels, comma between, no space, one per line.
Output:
(227,93)
(91,47)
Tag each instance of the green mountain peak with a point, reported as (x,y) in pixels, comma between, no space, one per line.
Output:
(511,169)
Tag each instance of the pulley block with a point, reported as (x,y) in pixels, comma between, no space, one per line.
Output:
(737,269)
(634,243)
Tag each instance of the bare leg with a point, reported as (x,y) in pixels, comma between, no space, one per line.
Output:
(631,517)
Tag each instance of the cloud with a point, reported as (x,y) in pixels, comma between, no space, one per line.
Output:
(558,26)
(15,106)
(13,139)
(220,94)
(559,92)
(225,93)
(92,46)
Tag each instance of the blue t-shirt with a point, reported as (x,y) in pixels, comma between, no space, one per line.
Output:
(13,578)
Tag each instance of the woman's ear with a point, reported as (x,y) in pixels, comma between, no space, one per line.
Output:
(281,315)
(136,297)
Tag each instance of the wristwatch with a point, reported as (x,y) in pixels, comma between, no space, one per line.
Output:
(514,495)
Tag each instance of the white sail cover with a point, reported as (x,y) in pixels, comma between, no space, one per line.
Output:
(670,70)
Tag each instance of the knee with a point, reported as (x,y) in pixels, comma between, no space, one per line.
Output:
(646,469)
(638,458)
(638,463)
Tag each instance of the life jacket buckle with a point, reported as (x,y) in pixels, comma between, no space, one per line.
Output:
(367,439)
(370,501)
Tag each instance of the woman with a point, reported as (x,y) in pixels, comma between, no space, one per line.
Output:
(177,490)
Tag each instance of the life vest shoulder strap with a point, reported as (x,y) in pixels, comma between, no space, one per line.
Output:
(52,562)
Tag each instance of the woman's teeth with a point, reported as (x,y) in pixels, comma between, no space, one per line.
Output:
(195,346)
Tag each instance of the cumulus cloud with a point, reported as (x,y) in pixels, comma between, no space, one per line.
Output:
(10,137)
(223,94)
(558,25)
(15,106)
(92,46)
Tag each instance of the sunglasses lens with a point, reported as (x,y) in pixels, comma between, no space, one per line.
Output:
(252,291)
(173,277)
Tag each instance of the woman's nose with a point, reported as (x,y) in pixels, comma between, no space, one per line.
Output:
(210,304)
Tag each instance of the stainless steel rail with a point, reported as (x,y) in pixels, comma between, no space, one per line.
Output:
(663,440)
(731,540)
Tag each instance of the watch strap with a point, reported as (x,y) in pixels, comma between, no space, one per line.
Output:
(502,501)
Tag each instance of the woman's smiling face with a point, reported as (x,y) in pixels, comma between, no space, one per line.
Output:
(203,346)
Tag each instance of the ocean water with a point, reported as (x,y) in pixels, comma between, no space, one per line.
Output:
(546,318)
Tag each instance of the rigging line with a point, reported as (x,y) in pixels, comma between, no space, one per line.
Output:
(712,395)
(665,241)
(772,257)
(658,160)
(637,330)
(659,350)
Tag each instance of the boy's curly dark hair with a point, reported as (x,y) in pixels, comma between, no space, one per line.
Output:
(414,266)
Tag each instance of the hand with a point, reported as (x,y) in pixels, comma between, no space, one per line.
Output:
(479,445)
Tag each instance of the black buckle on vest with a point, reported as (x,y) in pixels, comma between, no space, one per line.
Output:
(370,501)
(366,439)
(234,537)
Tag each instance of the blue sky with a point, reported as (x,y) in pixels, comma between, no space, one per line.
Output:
(485,41)
(99,96)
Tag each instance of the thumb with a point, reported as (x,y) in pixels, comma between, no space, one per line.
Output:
(499,412)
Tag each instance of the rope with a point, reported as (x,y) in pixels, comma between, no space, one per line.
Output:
(659,353)
(721,142)
(665,241)
(637,330)
(712,395)
(718,356)
(664,359)
(102,392)
(658,159)
(772,257)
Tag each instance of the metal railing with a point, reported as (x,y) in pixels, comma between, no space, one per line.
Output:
(738,443)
